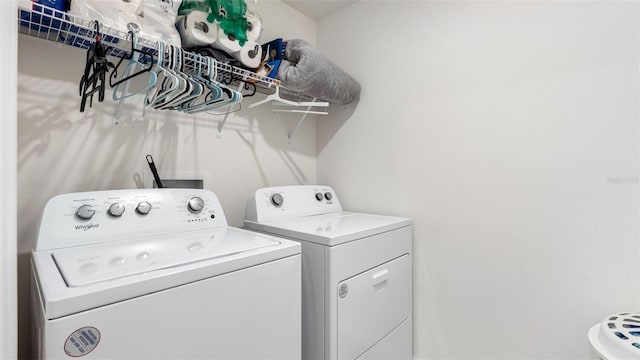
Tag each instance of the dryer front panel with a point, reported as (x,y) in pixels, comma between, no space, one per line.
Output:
(371,305)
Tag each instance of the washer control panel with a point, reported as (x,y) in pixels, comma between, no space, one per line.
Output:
(104,216)
(284,202)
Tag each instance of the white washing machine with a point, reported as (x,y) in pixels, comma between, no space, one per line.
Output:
(617,337)
(157,273)
(356,272)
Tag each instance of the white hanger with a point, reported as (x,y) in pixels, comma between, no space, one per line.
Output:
(164,88)
(301,111)
(276,97)
(236,96)
(207,98)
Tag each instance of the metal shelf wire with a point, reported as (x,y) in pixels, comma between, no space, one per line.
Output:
(47,23)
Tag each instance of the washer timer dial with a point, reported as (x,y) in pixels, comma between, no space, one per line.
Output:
(195,205)
(85,212)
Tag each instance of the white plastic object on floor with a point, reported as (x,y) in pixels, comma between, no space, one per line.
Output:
(616,337)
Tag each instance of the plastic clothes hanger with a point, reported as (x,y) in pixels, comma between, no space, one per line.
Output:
(234,98)
(248,84)
(214,93)
(196,90)
(169,83)
(172,84)
(134,60)
(301,111)
(212,72)
(192,91)
(214,98)
(96,68)
(276,97)
(186,86)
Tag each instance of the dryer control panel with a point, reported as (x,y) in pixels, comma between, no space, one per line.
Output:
(285,202)
(104,216)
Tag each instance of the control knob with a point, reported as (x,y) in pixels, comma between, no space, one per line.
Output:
(277,200)
(143,208)
(195,205)
(116,210)
(319,196)
(85,212)
(328,196)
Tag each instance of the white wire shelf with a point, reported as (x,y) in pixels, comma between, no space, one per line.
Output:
(44,22)
(47,23)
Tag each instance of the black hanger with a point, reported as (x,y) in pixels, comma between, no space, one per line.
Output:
(95,70)
(247,86)
(229,77)
(147,57)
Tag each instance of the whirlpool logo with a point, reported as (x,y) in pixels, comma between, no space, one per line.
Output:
(86,227)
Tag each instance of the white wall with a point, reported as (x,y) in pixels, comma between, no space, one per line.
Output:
(509,132)
(280,20)
(62,150)
(8,184)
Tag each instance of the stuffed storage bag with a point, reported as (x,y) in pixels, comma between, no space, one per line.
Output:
(114,14)
(154,19)
(159,21)
(306,70)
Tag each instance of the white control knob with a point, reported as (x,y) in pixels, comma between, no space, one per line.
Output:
(143,208)
(195,205)
(277,200)
(116,210)
(85,212)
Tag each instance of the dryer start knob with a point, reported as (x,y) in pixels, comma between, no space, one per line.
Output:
(195,205)
(85,212)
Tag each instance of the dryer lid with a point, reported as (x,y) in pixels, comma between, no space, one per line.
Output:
(86,265)
(331,229)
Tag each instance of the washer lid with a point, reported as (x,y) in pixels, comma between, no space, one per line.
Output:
(331,229)
(86,265)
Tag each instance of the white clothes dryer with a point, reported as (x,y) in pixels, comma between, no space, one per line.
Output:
(158,274)
(356,269)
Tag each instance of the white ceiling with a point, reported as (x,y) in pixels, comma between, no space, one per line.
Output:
(317,9)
